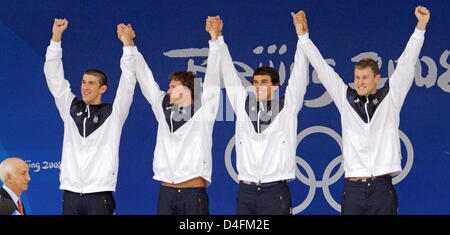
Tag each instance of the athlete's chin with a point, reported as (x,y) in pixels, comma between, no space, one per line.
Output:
(87,100)
(362,92)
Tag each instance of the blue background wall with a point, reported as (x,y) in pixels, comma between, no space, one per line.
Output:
(256,32)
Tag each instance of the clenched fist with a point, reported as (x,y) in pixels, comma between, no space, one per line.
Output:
(423,16)
(59,26)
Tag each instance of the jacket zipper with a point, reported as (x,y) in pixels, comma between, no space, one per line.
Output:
(84,136)
(258,123)
(171,130)
(368,135)
(171,121)
(259,131)
(367,112)
(259,113)
(84,121)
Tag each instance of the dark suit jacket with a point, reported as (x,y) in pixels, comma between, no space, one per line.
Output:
(7,205)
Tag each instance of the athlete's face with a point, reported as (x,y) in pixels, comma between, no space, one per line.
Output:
(91,89)
(178,92)
(366,81)
(264,88)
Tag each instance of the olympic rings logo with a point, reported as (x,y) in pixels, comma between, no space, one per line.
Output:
(326,181)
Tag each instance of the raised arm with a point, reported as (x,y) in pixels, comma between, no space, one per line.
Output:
(127,83)
(401,80)
(211,84)
(296,89)
(332,82)
(149,87)
(54,71)
(236,92)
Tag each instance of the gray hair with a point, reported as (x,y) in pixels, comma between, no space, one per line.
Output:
(6,169)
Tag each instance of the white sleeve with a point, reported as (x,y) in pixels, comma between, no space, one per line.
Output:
(149,87)
(334,85)
(127,83)
(401,80)
(236,92)
(296,88)
(211,85)
(54,75)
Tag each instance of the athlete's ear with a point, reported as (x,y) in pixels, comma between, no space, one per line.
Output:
(103,89)
(377,78)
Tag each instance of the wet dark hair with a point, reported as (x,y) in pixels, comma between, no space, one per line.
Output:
(97,73)
(269,71)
